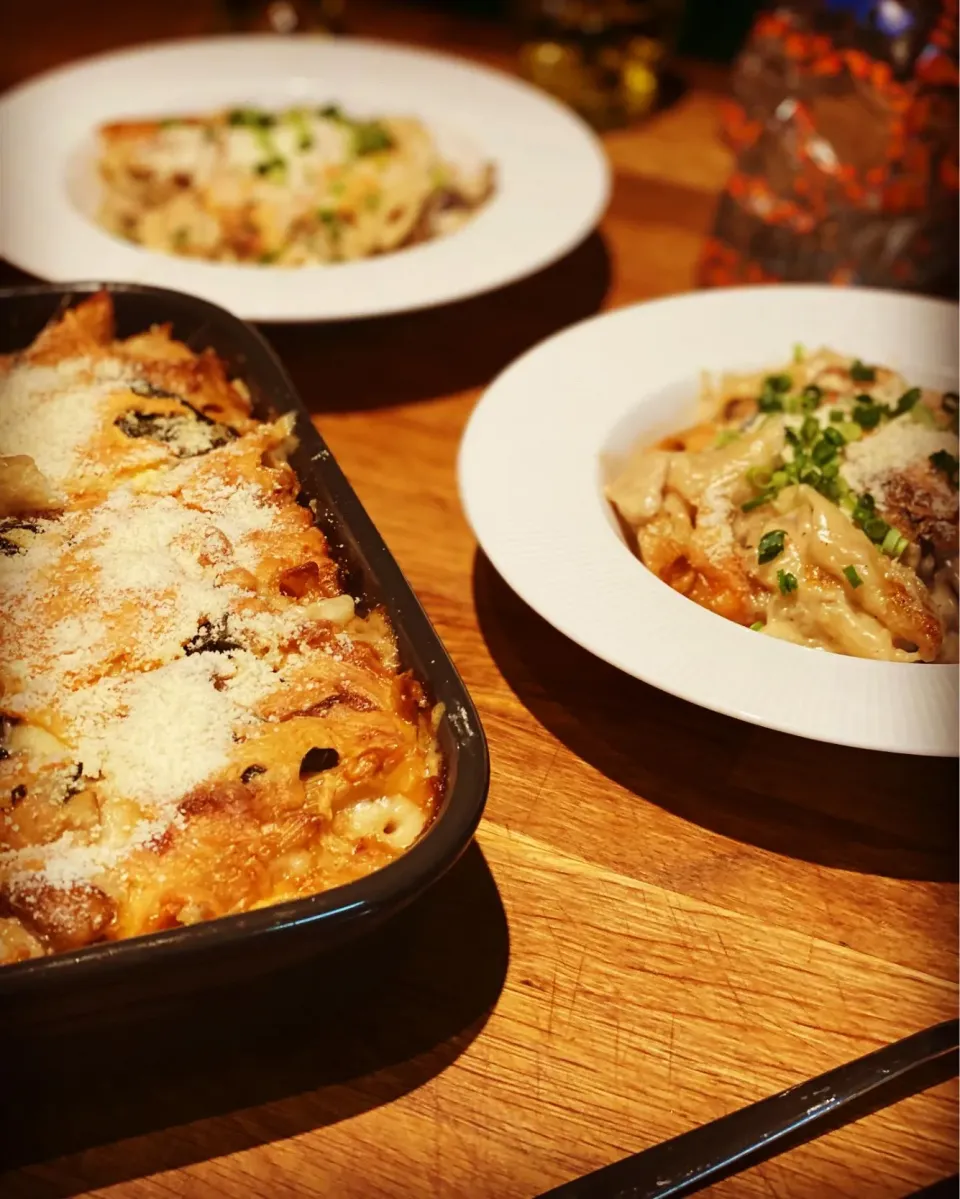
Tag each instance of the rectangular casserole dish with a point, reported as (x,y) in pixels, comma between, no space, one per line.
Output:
(189,957)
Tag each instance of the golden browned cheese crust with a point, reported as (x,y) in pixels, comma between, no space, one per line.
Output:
(195,719)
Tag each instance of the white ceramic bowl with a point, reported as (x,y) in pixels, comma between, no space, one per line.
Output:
(531,485)
(553,177)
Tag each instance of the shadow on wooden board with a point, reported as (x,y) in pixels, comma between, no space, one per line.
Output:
(884,814)
(376,363)
(296,1051)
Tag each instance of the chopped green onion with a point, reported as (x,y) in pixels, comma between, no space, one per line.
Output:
(810,397)
(799,352)
(810,429)
(251,118)
(792,438)
(923,416)
(852,577)
(809,474)
(848,503)
(824,451)
(330,112)
(268,257)
(724,437)
(876,529)
(860,373)
(837,415)
(758,501)
(948,465)
(771,545)
(778,383)
(779,479)
(830,487)
(867,416)
(370,137)
(769,401)
(849,430)
(274,168)
(757,627)
(907,401)
(834,436)
(787,582)
(894,543)
(831,469)
(759,477)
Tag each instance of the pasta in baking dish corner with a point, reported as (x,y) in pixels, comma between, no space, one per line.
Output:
(817,504)
(195,718)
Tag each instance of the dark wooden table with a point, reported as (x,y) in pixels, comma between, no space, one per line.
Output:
(666,914)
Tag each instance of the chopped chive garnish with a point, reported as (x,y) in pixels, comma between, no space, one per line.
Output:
(861,373)
(272,167)
(786,581)
(946,464)
(759,477)
(724,437)
(769,401)
(907,401)
(779,478)
(823,452)
(867,416)
(369,137)
(837,415)
(778,383)
(834,436)
(251,118)
(810,429)
(758,501)
(799,352)
(852,577)
(330,112)
(894,543)
(810,397)
(831,469)
(809,474)
(923,416)
(792,438)
(849,430)
(757,627)
(771,545)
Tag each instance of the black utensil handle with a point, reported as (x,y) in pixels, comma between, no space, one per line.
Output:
(752,1135)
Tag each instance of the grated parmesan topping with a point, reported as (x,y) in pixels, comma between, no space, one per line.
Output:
(891,450)
(50,414)
(126,732)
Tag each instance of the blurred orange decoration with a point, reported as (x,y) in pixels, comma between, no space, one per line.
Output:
(844,124)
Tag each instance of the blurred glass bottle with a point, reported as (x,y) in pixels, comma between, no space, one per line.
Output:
(286,16)
(605,58)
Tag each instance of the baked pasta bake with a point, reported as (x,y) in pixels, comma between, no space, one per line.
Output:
(817,504)
(195,718)
(295,188)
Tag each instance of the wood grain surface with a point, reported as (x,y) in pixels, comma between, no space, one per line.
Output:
(666,914)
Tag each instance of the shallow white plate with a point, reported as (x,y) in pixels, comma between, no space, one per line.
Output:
(530,481)
(553,178)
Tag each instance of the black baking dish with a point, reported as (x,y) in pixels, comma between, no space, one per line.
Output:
(186,958)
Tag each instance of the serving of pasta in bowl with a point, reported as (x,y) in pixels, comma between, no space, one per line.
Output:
(294,179)
(747,498)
